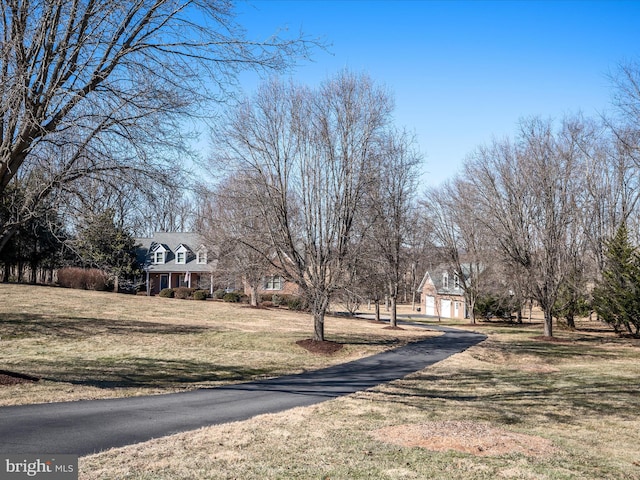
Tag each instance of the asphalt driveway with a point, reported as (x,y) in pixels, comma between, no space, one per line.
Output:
(86,427)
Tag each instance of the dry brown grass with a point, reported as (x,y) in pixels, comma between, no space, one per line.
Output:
(575,418)
(87,345)
(465,436)
(567,409)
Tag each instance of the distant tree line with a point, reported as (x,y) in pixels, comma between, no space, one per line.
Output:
(549,210)
(319,184)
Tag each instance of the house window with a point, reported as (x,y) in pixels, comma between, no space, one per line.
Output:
(445,280)
(202,257)
(180,257)
(273,282)
(456,281)
(158,257)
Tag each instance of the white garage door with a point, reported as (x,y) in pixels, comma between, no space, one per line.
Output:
(445,308)
(430,305)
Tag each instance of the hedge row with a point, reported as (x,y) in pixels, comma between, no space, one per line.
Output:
(292,302)
(84,279)
(183,293)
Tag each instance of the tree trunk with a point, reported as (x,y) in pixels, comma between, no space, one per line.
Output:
(254,295)
(33,274)
(571,322)
(393,320)
(318,326)
(548,323)
(319,308)
(377,303)
(472,311)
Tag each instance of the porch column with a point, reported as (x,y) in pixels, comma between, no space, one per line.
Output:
(170,280)
(148,285)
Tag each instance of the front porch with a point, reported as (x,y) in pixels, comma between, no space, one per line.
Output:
(158,281)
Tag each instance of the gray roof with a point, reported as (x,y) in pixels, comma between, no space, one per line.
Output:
(171,241)
(436,276)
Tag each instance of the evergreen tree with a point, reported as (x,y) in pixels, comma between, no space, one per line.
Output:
(572,302)
(617,297)
(103,244)
(36,247)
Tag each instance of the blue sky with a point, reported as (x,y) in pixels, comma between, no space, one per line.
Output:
(463,73)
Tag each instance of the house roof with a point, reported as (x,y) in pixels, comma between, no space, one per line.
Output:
(171,242)
(436,278)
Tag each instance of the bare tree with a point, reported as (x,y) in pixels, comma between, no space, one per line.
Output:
(528,192)
(232,224)
(463,238)
(308,155)
(611,182)
(100,88)
(391,203)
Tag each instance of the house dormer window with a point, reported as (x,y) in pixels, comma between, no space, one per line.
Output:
(158,257)
(202,256)
(181,255)
(445,280)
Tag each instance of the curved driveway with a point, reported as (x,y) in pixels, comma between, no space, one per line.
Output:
(86,427)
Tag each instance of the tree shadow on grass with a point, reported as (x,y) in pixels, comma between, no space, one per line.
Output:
(23,325)
(141,372)
(513,396)
(499,391)
(554,351)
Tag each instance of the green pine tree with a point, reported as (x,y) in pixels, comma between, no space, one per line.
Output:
(104,245)
(616,298)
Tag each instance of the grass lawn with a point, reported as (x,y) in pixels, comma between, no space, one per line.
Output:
(87,345)
(513,407)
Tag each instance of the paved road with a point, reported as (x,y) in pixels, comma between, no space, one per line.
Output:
(87,427)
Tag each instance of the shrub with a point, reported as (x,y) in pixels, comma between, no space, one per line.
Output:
(219,294)
(231,297)
(167,293)
(489,306)
(83,278)
(265,297)
(276,299)
(98,280)
(295,303)
(183,292)
(200,295)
